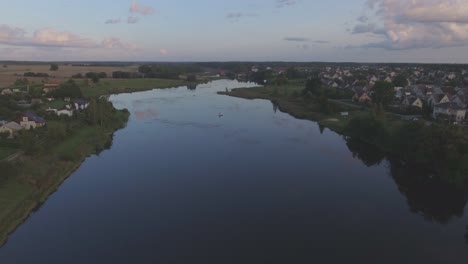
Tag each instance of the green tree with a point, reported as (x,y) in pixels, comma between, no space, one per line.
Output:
(54,67)
(384,93)
(400,81)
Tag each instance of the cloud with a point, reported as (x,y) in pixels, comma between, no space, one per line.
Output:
(321,41)
(52,38)
(417,24)
(284,3)
(363,19)
(163,51)
(136,8)
(116,43)
(238,15)
(113,21)
(132,20)
(296,39)
(302,39)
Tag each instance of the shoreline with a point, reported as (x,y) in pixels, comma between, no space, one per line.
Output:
(26,206)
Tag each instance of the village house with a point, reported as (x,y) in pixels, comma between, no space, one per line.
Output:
(49,87)
(80,104)
(449,111)
(12,128)
(30,120)
(7,91)
(362,97)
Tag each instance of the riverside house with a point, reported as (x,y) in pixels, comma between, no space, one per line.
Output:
(12,128)
(30,120)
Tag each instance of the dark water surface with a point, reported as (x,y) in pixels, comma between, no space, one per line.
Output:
(182,185)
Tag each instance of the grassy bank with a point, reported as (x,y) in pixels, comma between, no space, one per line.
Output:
(288,100)
(33,178)
(115,86)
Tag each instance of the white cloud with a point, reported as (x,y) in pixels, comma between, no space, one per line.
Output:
(51,38)
(136,8)
(417,23)
(116,43)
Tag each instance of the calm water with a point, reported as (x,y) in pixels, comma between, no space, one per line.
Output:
(182,185)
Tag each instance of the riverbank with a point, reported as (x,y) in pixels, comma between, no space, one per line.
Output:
(116,86)
(33,178)
(287,99)
(440,149)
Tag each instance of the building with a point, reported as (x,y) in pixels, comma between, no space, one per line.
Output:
(6,91)
(30,120)
(449,111)
(80,104)
(12,128)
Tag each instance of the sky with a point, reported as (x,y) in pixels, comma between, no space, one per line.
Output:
(427,31)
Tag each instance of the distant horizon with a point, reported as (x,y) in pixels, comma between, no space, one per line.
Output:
(216,61)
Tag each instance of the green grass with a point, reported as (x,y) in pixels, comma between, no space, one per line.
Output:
(55,104)
(6,152)
(112,86)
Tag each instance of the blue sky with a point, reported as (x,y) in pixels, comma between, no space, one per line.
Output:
(213,30)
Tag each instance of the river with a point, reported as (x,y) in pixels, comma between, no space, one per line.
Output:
(197,177)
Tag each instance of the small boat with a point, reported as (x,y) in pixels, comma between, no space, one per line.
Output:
(220,115)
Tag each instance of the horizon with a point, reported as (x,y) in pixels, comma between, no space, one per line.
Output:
(361,31)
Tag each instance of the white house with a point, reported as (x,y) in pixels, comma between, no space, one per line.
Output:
(6,91)
(30,120)
(80,104)
(450,111)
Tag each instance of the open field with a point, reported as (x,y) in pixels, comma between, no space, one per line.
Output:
(114,86)
(9,73)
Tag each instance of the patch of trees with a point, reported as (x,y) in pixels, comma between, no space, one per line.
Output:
(384,93)
(36,74)
(125,75)
(168,71)
(67,89)
(443,149)
(54,67)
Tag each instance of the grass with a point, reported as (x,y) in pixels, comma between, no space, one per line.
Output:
(6,152)
(113,86)
(36,177)
(288,99)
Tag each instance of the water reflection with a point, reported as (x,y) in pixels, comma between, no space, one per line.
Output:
(426,195)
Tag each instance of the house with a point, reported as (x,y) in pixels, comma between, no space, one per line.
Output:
(80,104)
(30,120)
(6,91)
(49,87)
(12,127)
(362,97)
(436,99)
(411,101)
(449,111)
(63,112)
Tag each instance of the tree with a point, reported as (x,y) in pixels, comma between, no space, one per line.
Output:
(68,89)
(21,82)
(384,93)
(54,67)
(400,81)
(313,86)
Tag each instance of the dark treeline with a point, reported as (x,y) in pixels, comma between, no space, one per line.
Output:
(168,71)
(36,74)
(442,149)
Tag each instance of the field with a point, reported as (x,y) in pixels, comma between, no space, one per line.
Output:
(114,86)
(10,72)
